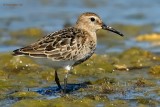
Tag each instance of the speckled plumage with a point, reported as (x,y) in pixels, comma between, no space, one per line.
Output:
(70,46)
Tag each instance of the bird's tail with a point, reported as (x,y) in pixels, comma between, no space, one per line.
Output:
(18,52)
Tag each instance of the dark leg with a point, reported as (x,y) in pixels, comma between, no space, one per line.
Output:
(65,82)
(57,80)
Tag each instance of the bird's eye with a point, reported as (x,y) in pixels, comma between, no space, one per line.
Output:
(92,19)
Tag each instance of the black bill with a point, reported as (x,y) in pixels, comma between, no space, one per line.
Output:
(105,27)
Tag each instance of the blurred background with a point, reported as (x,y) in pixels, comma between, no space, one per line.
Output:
(30,19)
(124,72)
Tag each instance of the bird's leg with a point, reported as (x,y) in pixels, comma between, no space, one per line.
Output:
(67,69)
(57,80)
(65,82)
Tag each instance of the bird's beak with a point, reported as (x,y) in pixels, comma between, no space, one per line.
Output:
(105,27)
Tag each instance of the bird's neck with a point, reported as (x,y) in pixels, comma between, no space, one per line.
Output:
(93,35)
(90,31)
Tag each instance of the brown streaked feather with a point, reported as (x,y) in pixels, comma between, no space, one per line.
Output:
(57,45)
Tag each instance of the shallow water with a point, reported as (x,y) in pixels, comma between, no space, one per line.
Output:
(52,15)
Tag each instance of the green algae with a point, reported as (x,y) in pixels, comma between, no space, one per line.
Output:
(97,97)
(22,95)
(104,80)
(105,85)
(5,86)
(70,101)
(107,88)
(31,102)
(134,58)
(28,32)
(97,64)
(59,102)
(47,75)
(141,82)
(18,73)
(3,75)
(148,102)
(157,91)
(117,103)
(24,36)
(8,61)
(102,87)
(153,37)
(155,70)
(16,76)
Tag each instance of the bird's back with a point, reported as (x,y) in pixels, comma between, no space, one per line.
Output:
(69,44)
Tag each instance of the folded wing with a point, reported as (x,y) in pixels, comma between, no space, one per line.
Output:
(58,45)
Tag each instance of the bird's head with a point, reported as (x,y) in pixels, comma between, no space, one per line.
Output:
(92,22)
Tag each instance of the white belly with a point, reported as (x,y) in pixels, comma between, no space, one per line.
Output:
(55,64)
(62,64)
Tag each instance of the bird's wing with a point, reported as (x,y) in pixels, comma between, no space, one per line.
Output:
(60,45)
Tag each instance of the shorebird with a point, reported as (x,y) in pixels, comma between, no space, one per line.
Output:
(70,46)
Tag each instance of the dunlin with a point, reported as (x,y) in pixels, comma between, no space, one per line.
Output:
(70,46)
